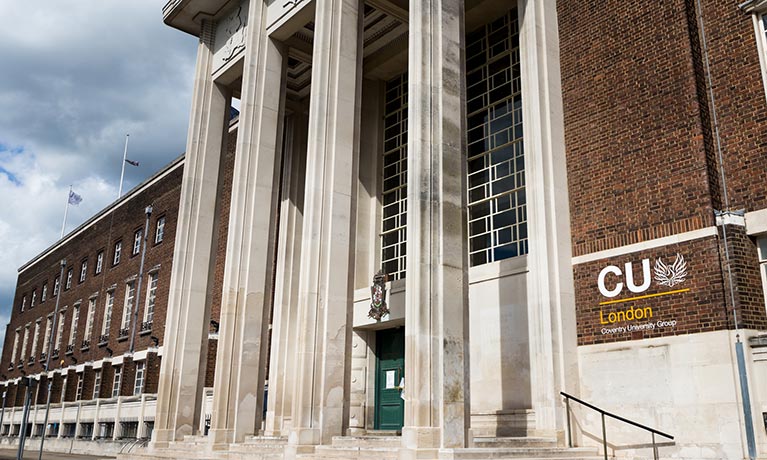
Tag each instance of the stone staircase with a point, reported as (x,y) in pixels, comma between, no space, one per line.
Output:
(368,447)
(360,447)
(387,448)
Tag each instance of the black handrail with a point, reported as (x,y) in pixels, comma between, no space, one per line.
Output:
(617,417)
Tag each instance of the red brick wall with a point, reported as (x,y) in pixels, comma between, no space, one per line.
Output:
(118,224)
(741,105)
(152,373)
(748,292)
(701,309)
(642,153)
(635,149)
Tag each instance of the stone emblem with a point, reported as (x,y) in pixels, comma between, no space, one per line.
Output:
(234,26)
(378,306)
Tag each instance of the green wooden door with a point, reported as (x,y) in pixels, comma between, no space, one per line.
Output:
(390,370)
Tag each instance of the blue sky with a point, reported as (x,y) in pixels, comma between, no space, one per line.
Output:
(77,75)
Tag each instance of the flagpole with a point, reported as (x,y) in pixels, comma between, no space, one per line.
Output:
(122,174)
(66,209)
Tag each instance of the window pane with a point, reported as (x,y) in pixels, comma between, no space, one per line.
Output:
(497,221)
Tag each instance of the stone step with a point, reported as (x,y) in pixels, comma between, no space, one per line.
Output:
(376,440)
(251,455)
(259,448)
(266,440)
(526,453)
(194,443)
(528,441)
(168,454)
(383,433)
(356,453)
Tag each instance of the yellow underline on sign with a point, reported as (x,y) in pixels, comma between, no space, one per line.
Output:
(608,302)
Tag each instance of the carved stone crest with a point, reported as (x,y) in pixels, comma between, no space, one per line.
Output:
(378,306)
(234,27)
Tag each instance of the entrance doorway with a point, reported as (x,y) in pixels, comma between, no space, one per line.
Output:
(390,371)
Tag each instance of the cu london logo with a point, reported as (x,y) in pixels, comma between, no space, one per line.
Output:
(612,280)
(670,275)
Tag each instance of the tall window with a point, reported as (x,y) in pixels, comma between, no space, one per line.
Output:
(760,24)
(83,270)
(79,394)
(73,326)
(130,293)
(34,298)
(160,230)
(137,242)
(118,250)
(15,346)
(59,332)
(151,294)
(99,262)
(117,381)
(64,388)
(89,321)
(48,332)
(35,339)
(44,293)
(56,286)
(69,279)
(24,343)
(762,250)
(393,231)
(97,384)
(108,305)
(497,201)
(23,303)
(138,386)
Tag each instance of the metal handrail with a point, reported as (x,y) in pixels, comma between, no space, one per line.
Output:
(616,417)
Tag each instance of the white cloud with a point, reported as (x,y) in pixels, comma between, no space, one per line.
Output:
(77,76)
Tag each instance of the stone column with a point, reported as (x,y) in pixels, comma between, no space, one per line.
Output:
(186,330)
(551,298)
(238,389)
(320,402)
(282,372)
(436,292)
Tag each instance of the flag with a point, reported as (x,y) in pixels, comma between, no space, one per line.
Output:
(74,198)
(131,162)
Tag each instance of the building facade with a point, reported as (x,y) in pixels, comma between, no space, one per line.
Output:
(560,196)
(76,300)
(549,196)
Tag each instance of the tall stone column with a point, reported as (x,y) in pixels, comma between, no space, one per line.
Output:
(320,402)
(551,298)
(282,372)
(436,292)
(186,331)
(238,390)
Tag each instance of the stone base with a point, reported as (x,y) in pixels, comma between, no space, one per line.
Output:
(220,439)
(161,438)
(419,443)
(516,423)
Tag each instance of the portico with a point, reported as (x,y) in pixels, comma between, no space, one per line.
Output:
(373,135)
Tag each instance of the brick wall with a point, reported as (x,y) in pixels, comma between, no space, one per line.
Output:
(118,224)
(642,153)
(636,157)
(152,373)
(748,292)
(741,105)
(701,309)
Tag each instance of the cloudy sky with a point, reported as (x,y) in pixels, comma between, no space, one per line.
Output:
(76,76)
